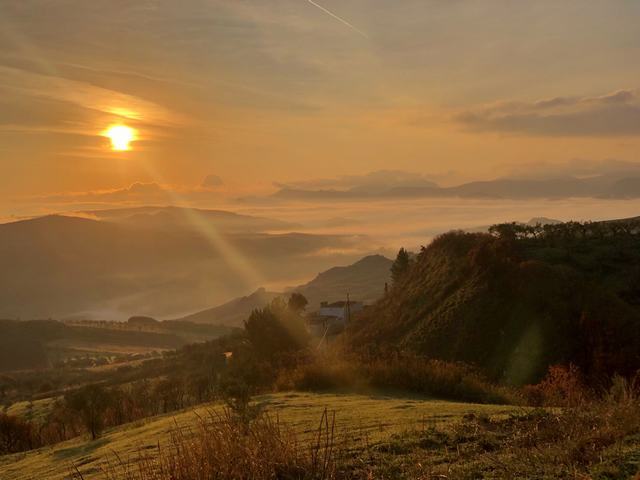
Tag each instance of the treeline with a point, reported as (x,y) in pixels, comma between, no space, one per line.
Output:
(149,324)
(568,231)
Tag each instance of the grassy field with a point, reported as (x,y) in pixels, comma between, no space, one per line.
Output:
(367,418)
(35,410)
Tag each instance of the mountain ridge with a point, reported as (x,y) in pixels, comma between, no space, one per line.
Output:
(364,280)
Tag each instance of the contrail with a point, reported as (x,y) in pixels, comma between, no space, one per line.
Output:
(341,20)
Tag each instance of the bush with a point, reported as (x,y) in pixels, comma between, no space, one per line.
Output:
(564,386)
(454,381)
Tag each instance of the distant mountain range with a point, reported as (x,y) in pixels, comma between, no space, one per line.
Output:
(156,261)
(364,281)
(612,185)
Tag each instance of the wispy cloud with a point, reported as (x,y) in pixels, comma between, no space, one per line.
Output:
(614,114)
(86,96)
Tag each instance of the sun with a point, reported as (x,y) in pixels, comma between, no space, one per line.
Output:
(121,136)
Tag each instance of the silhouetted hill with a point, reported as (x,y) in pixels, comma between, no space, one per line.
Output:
(364,280)
(516,301)
(149,261)
(234,312)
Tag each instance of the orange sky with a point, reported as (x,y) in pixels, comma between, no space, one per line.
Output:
(257,92)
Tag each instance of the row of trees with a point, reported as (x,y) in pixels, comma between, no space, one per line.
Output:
(568,230)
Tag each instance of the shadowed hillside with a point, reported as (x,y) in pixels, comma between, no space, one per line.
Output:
(363,281)
(39,343)
(519,299)
(234,312)
(150,261)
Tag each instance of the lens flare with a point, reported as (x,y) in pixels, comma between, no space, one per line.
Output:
(121,136)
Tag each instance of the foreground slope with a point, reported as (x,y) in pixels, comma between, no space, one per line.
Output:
(373,417)
(513,306)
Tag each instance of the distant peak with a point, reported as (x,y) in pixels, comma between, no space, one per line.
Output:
(375,258)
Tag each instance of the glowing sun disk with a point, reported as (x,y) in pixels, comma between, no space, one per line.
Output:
(121,136)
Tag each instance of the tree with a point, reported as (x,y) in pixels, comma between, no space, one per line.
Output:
(400,265)
(91,403)
(507,231)
(16,434)
(297,302)
(61,422)
(275,330)
(170,392)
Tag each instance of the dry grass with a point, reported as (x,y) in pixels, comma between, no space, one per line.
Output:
(222,447)
(594,440)
(597,440)
(366,419)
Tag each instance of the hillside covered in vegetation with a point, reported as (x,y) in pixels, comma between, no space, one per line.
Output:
(517,300)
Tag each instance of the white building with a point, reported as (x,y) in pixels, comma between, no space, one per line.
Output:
(332,318)
(341,310)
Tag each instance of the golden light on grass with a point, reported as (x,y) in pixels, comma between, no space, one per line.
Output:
(121,137)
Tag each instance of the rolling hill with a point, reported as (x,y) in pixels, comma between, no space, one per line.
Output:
(377,417)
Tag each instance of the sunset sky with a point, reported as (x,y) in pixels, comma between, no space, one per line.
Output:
(246,93)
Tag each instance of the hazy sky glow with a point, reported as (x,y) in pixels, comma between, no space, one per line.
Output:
(291,90)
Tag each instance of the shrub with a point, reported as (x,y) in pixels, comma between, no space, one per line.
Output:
(563,385)
(454,381)
(571,442)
